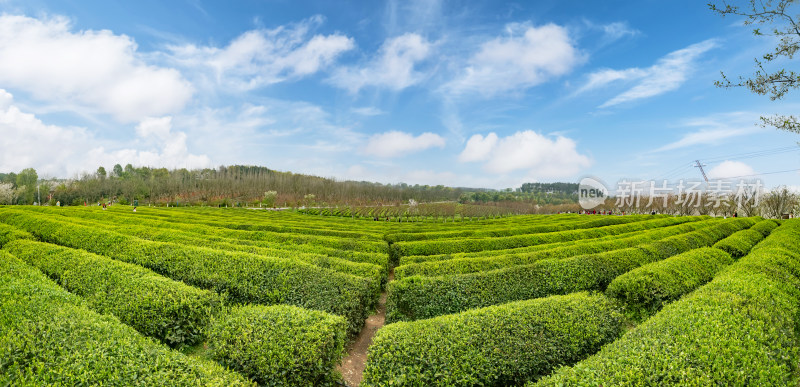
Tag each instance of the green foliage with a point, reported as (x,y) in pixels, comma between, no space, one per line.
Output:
(279,345)
(11,233)
(740,243)
(500,260)
(738,330)
(243,278)
(495,346)
(646,289)
(167,310)
(765,226)
(418,297)
(48,337)
(457,245)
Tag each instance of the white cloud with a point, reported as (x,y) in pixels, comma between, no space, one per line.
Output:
(26,142)
(97,70)
(528,56)
(667,74)
(368,111)
(265,56)
(540,155)
(393,68)
(395,143)
(478,148)
(730,169)
(712,130)
(618,30)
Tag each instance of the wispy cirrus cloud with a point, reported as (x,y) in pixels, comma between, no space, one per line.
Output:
(396,143)
(667,74)
(714,129)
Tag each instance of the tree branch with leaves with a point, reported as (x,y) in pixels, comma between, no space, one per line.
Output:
(776,19)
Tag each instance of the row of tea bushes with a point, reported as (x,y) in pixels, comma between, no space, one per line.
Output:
(10,233)
(645,290)
(738,330)
(208,236)
(242,278)
(495,346)
(664,222)
(279,345)
(501,231)
(450,246)
(170,311)
(418,297)
(49,337)
(500,261)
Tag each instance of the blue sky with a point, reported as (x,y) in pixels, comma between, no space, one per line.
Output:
(479,93)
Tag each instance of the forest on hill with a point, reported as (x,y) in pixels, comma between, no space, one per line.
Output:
(241,185)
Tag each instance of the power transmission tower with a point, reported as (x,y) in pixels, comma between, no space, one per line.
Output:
(701,170)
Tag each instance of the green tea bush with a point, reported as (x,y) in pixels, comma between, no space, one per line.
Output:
(496,346)
(646,289)
(170,311)
(740,243)
(417,297)
(741,329)
(11,233)
(279,345)
(765,226)
(450,246)
(49,338)
(241,277)
(499,261)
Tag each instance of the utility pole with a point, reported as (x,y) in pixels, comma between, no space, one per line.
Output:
(701,170)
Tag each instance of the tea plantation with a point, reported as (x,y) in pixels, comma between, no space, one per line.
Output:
(222,297)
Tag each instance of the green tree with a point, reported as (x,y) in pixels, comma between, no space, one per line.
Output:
(101,173)
(26,184)
(117,170)
(772,19)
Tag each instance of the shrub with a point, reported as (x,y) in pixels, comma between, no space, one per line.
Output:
(279,345)
(765,226)
(740,243)
(170,311)
(243,278)
(449,246)
(646,289)
(11,233)
(418,297)
(495,346)
(499,261)
(48,337)
(738,330)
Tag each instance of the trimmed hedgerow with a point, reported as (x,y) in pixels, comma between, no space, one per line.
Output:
(241,277)
(418,297)
(48,337)
(738,330)
(646,289)
(740,243)
(503,230)
(10,233)
(495,346)
(279,345)
(499,261)
(765,226)
(455,245)
(170,311)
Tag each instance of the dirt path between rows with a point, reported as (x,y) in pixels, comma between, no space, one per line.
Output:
(354,362)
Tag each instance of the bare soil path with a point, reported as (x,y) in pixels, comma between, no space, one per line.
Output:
(354,362)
